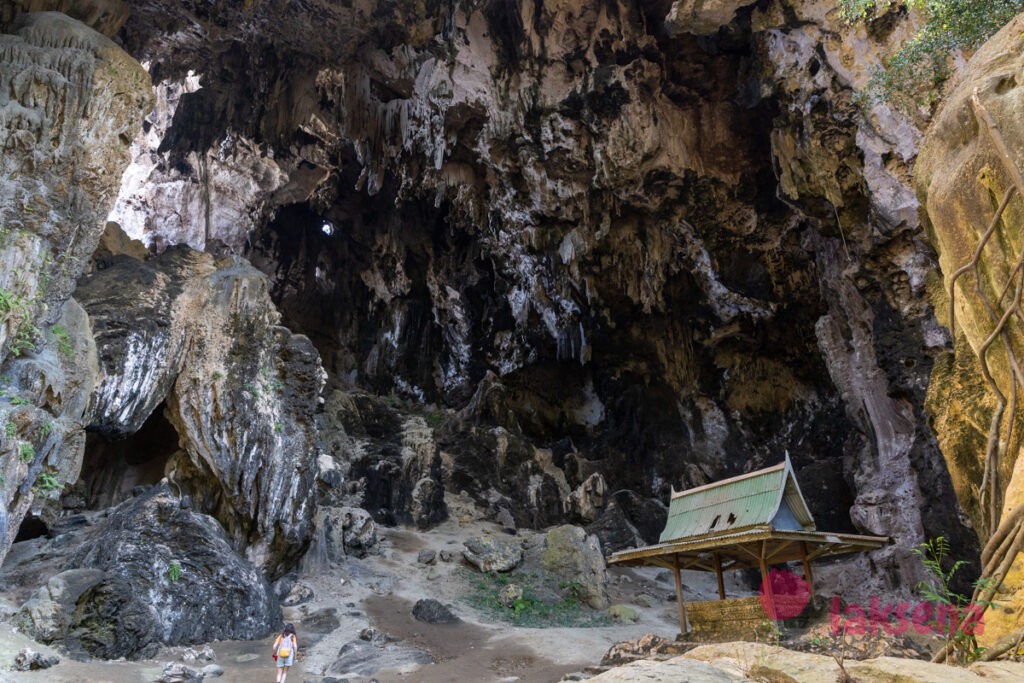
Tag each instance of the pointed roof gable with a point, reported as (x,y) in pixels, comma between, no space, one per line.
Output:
(752,499)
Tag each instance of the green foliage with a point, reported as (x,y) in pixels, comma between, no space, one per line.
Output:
(435,419)
(63,339)
(10,429)
(960,638)
(217,375)
(174,571)
(47,483)
(46,429)
(24,338)
(853,11)
(913,76)
(532,610)
(26,452)
(19,401)
(19,311)
(278,428)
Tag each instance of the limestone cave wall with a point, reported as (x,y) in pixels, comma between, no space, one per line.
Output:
(561,256)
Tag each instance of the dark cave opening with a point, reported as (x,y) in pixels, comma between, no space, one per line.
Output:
(360,280)
(112,468)
(31,527)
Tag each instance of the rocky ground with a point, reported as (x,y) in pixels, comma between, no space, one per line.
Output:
(398,604)
(355,618)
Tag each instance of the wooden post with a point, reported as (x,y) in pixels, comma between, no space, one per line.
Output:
(766,584)
(808,577)
(679,596)
(718,573)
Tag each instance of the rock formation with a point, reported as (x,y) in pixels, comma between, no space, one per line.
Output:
(149,573)
(558,257)
(659,244)
(202,337)
(962,179)
(71,104)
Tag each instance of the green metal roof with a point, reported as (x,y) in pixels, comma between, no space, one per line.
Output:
(766,497)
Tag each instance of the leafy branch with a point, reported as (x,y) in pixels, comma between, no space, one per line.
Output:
(913,76)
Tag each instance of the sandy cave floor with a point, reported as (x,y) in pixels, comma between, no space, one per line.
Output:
(379,591)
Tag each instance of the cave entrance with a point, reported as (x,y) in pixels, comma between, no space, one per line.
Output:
(31,527)
(113,468)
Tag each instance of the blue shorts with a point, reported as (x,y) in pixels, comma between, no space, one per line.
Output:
(286,661)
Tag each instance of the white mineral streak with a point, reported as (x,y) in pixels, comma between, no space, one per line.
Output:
(217,195)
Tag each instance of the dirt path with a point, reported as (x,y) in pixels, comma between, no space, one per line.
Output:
(379,592)
(463,652)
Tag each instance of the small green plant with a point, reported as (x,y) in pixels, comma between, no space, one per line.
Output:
(536,608)
(217,375)
(9,301)
(573,590)
(961,643)
(435,419)
(252,389)
(174,571)
(47,483)
(63,339)
(24,338)
(278,428)
(521,606)
(10,429)
(26,452)
(19,401)
(46,429)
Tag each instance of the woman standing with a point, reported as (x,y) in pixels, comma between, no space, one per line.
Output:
(284,651)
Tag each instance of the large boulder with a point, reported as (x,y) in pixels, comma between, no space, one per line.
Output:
(342,532)
(628,521)
(572,559)
(151,572)
(241,391)
(489,554)
(88,612)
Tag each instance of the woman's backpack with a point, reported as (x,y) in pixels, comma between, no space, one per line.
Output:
(284,650)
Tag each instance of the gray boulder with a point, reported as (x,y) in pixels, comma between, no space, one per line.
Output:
(431,611)
(570,558)
(88,612)
(179,673)
(362,657)
(151,572)
(492,555)
(30,660)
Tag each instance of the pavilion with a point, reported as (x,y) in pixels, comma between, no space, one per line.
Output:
(752,520)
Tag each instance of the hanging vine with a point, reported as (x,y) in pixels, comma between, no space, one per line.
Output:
(1005,534)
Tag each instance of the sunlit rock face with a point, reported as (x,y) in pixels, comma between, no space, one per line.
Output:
(70,103)
(656,243)
(240,390)
(961,181)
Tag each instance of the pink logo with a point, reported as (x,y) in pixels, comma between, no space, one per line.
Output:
(784,594)
(923,617)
